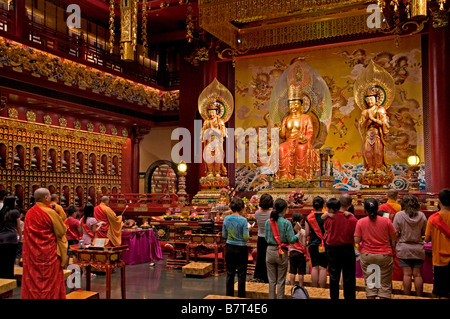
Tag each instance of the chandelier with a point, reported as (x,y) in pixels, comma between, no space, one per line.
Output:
(255,24)
(409,16)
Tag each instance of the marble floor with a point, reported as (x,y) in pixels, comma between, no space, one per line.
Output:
(145,281)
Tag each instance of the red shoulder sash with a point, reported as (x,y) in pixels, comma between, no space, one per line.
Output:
(387,208)
(299,247)
(437,221)
(276,235)
(87,230)
(315,226)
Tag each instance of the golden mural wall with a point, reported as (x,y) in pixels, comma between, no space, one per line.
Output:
(339,65)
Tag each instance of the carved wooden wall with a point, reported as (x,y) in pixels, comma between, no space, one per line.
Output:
(76,164)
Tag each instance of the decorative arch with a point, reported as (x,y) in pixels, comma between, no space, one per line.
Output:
(151,169)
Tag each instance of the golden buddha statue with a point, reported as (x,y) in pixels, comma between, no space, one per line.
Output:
(215,105)
(295,153)
(213,142)
(373,126)
(374,92)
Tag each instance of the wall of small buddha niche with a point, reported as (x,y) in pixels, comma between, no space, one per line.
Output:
(77,159)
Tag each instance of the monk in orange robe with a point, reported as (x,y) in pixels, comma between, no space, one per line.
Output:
(44,251)
(58,208)
(112,224)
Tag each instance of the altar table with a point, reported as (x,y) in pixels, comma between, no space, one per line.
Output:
(143,246)
(106,259)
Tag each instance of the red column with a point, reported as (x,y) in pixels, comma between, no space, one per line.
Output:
(136,137)
(21,19)
(439,108)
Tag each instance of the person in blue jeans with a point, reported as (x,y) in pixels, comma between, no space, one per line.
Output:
(235,230)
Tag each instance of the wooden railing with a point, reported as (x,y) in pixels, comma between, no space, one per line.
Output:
(76,48)
(154,204)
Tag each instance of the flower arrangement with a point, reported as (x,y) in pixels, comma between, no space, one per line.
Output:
(295,199)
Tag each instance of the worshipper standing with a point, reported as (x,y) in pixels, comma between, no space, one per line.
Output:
(112,224)
(262,215)
(340,247)
(9,231)
(74,230)
(235,230)
(89,224)
(438,232)
(58,208)
(374,234)
(279,234)
(392,207)
(316,245)
(297,252)
(44,251)
(411,224)
(20,237)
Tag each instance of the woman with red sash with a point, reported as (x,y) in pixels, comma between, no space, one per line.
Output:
(279,234)
(89,224)
(438,232)
(44,251)
(316,244)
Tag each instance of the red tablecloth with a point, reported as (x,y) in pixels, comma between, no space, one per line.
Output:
(143,247)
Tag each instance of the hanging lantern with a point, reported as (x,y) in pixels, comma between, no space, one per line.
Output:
(111,26)
(128,29)
(418,8)
(144,29)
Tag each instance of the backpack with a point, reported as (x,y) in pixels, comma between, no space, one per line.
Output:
(299,292)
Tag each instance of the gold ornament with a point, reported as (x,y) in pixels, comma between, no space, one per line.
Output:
(12,113)
(47,119)
(31,116)
(62,122)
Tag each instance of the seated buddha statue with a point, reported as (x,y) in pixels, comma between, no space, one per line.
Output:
(64,166)
(91,165)
(34,162)
(77,166)
(16,160)
(295,153)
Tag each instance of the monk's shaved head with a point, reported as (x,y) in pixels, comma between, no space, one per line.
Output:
(42,195)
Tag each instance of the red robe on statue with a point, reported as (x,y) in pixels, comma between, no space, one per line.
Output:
(44,253)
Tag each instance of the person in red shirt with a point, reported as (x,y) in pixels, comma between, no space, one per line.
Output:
(341,252)
(74,230)
(438,232)
(375,233)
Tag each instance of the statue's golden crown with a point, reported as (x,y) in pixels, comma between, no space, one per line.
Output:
(295,93)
